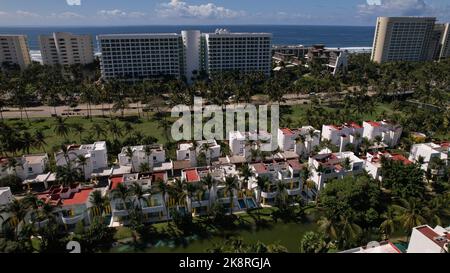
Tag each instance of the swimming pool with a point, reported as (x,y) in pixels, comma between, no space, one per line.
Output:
(250,204)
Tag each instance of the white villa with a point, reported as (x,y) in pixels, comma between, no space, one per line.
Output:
(152,155)
(95,154)
(390,133)
(276,172)
(28,166)
(241,143)
(325,167)
(372,162)
(347,133)
(428,151)
(301,141)
(188,151)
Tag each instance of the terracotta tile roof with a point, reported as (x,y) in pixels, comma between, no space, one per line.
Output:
(374,124)
(399,157)
(192,175)
(295,164)
(115,181)
(158,177)
(260,167)
(355,125)
(287,132)
(432,235)
(78,198)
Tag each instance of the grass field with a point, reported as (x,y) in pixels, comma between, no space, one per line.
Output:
(148,127)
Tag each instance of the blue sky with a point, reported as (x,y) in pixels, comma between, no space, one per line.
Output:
(204,12)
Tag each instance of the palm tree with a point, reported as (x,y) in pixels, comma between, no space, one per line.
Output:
(411,214)
(39,140)
(281,197)
(231,185)
(129,152)
(138,191)
(209,182)
(121,192)
(163,189)
(78,128)
(262,182)
(148,150)
(349,230)
(246,172)
(82,161)
(329,227)
(98,201)
(27,141)
(61,128)
(387,227)
(99,130)
(115,129)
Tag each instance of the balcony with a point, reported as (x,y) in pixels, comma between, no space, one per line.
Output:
(294,191)
(71,220)
(268,195)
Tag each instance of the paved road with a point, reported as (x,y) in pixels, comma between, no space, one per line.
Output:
(82,109)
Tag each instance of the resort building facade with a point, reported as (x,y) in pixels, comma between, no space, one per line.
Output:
(144,56)
(14,50)
(66,49)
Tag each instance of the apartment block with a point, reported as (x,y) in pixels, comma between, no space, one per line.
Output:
(403,39)
(27,166)
(245,52)
(14,50)
(144,56)
(389,132)
(141,56)
(66,49)
(373,162)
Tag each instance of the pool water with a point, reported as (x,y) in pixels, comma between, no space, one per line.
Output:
(250,204)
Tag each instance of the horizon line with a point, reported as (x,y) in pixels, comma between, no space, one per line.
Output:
(177,25)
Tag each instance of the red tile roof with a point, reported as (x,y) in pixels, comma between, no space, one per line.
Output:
(295,164)
(260,167)
(115,181)
(192,175)
(287,132)
(399,157)
(431,234)
(78,198)
(158,177)
(355,125)
(374,124)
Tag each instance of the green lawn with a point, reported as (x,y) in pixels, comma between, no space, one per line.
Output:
(299,111)
(146,127)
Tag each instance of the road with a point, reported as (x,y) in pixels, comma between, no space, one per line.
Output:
(82,109)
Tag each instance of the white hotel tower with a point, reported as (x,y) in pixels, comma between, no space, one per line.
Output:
(143,56)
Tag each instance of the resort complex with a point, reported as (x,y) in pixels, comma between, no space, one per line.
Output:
(294,148)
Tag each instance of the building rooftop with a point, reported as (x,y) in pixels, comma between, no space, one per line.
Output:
(78,198)
(440,240)
(35,159)
(192,175)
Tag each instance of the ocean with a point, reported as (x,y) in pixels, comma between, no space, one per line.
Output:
(331,36)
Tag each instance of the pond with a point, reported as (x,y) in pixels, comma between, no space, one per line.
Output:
(286,234)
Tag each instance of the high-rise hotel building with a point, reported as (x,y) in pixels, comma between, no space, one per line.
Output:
(408,39)
(66,49)
(14,50)
(142,56)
